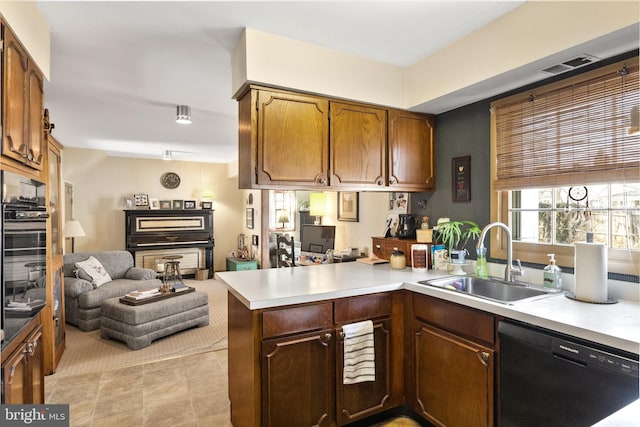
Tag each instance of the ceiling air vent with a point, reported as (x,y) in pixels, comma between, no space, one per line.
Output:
(571,64)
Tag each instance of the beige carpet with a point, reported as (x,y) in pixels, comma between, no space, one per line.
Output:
(87,352)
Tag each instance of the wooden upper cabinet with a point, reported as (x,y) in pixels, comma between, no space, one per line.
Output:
(411,151)
(23,105)
(14,98)
(297,141)
(358,141)
(35,134)
(292,139)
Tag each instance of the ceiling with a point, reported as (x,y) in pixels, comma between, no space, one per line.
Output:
(119,69)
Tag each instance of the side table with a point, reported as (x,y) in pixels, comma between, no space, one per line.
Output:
(238,264)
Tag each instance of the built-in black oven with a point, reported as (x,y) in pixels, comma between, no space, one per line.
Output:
(24,250)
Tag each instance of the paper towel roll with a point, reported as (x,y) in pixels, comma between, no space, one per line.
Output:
(591,272)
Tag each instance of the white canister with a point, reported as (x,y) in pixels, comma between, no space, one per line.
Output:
(419,258)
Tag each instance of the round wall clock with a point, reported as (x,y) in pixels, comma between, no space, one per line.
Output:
(170,180)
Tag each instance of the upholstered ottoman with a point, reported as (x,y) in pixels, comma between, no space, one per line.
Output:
(138,325)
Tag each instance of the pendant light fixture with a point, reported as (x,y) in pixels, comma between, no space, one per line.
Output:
(183,114)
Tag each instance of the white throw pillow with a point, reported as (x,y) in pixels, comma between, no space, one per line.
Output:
(95,270)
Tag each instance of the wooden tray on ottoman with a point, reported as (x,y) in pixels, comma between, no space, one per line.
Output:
(125,300)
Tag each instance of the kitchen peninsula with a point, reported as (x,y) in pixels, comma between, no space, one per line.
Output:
(285,326)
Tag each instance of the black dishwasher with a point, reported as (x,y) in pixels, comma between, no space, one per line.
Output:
(549,379)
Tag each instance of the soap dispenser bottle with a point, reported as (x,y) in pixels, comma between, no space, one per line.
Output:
(551,274)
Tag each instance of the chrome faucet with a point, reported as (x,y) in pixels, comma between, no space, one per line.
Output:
(510,271)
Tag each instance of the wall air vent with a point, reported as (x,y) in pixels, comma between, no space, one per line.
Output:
(571,64)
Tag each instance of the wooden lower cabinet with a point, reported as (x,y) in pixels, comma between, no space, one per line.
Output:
(454,379)
(357,401)
(453,363)
(22,369)
(297,386)
(295,379)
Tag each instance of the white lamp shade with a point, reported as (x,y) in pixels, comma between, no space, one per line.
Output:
(73,229)
(317,204)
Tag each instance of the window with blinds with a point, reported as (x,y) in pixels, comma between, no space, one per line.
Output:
(573,131)
(578,133)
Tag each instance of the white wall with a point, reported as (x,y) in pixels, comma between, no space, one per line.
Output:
(372,212)
(101,183)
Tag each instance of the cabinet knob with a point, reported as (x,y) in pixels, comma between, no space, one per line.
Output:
(393,181)
(327,337)
(322,180)
(378,246)
(380,182)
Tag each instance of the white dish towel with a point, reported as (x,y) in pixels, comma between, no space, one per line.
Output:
(359,353)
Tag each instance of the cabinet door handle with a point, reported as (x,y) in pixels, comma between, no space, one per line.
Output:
(323,180)
(380,182)
(342,335)
(378,246)
(28,348)
(392,181)
(484,357)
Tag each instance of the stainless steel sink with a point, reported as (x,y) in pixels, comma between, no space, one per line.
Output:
(492,289)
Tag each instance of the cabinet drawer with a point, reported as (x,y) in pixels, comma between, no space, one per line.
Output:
(455,318)
(383,247)
(296,319)
(362,308)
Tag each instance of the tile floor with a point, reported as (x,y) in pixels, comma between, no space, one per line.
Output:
(186,391)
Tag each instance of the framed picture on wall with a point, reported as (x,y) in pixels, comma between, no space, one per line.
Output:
(249,217)
(461,179)
(189,204)
(165,204)
(154,203)
(206,205)
(177,204)
(348,206)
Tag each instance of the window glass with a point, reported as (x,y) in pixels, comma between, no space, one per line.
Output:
(564,215)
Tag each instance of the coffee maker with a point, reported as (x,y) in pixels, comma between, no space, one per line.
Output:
(407,224)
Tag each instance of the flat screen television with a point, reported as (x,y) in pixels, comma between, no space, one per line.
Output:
(317,238)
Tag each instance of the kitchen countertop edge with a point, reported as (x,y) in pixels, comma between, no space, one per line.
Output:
(282,287)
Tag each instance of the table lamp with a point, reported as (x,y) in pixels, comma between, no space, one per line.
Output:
(317,206)
(73,229)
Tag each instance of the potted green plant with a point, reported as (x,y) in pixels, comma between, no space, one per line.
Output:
(452,232)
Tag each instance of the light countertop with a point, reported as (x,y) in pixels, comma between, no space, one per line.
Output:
(615,325)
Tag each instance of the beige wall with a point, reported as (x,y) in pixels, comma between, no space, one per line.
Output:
(548,28)
(101,183)
(25,20)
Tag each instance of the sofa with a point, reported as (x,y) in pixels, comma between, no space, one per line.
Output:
(83,295)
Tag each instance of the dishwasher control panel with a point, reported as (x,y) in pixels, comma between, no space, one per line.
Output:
(595,358)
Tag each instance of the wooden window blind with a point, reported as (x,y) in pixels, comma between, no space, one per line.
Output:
(574,131)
